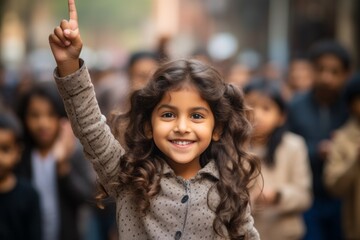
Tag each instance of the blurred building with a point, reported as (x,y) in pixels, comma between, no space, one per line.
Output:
(275,29)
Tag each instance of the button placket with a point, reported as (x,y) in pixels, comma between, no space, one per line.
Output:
(178,235)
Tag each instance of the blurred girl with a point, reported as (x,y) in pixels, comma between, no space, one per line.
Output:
(283,193)
(183,172)
(53,162)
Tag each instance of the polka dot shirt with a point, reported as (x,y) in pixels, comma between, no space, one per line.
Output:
(182,209)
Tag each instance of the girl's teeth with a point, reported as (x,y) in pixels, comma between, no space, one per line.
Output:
(181,142)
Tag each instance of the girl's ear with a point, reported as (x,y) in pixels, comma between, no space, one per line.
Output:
(148,131)
(217,134)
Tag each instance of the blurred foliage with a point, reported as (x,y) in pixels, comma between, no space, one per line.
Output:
(106,13)
(122,19)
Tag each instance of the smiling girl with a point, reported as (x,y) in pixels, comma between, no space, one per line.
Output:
(183,172)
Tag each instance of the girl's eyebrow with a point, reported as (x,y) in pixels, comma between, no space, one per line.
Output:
(175,108)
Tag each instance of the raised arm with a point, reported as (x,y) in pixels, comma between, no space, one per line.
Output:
(77,91)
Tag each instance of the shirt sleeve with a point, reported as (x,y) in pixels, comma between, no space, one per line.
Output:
(295,195)
(341,168)
(89,126)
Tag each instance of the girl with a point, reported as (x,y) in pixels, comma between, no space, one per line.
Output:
(53,162)
(278,206)
(182,172)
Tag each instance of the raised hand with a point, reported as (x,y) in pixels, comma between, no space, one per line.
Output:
(65,43)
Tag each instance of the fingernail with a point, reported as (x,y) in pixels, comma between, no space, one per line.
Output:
(66,31)
(67,43)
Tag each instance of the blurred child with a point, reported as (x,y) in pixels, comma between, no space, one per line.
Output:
(141,66)
(19,202)
(286,181)
(300,78)
(53,162)
(239,75)
(183,172)
(342,169)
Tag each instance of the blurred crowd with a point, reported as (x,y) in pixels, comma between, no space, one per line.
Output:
(306,133)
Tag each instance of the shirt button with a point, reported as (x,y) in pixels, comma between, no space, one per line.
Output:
(185,199)
(178,235)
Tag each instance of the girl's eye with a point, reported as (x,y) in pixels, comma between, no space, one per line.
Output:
(197,116)
(167,115)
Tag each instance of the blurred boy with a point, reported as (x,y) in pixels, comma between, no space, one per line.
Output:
(19,203)
(315,115)
(342,170)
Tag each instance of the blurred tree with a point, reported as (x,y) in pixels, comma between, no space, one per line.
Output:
(23,8)
(116,17)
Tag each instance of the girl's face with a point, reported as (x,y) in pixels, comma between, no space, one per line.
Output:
(182,128)
(42,121)
(267,114)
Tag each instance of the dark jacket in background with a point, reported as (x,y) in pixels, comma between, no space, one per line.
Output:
(73,190)
(20,213)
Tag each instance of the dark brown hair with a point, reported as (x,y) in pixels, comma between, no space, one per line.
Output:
(141,166)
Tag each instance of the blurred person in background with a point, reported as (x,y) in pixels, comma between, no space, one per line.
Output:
(315,115)
(300,78)
(202,55)
(342,169)
(53,161)
(19,202)
(140,67)
(239,74)
(283,192)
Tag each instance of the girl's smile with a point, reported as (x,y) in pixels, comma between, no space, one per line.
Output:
(182,144)
(182,128)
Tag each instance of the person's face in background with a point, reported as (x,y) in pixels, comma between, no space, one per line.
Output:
(239,75)
(330,76)
(9,152)
(301,75)
(267,116)
(42,121)
(140,72)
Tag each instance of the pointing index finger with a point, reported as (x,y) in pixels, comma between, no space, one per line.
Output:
(72,10)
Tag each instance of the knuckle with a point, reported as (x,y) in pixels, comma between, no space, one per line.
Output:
(63,22)
(57,29)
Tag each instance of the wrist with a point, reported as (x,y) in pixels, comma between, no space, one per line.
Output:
(68,67)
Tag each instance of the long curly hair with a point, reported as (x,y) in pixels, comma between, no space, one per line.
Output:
(141,166)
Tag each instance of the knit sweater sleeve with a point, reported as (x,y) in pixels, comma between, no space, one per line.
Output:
(89,126)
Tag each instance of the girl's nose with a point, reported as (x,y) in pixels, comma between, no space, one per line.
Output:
(182,126)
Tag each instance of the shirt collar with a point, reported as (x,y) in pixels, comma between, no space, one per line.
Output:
(209,170)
